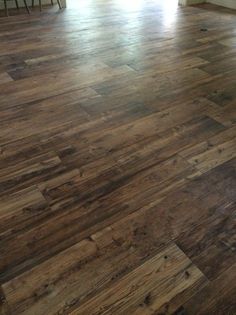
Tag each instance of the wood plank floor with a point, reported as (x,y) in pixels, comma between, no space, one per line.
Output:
(118,160)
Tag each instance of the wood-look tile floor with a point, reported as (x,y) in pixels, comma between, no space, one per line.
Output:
(118,159)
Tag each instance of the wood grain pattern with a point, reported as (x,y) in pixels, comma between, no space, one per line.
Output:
(4,77)
(146,288)
(216,298)
(118,160)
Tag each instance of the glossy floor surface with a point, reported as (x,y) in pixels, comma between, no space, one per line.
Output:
(118,159)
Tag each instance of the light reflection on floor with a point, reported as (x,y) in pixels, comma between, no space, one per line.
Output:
(169,12)
(132,11)
(168,6)
(130,5)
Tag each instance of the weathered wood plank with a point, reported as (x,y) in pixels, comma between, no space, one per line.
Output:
(146,288)
(218,297)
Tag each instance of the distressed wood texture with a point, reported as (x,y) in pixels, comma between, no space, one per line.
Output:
(118,160)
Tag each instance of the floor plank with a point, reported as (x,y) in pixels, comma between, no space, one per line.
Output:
(147,288)
(216,298)
(118,159)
